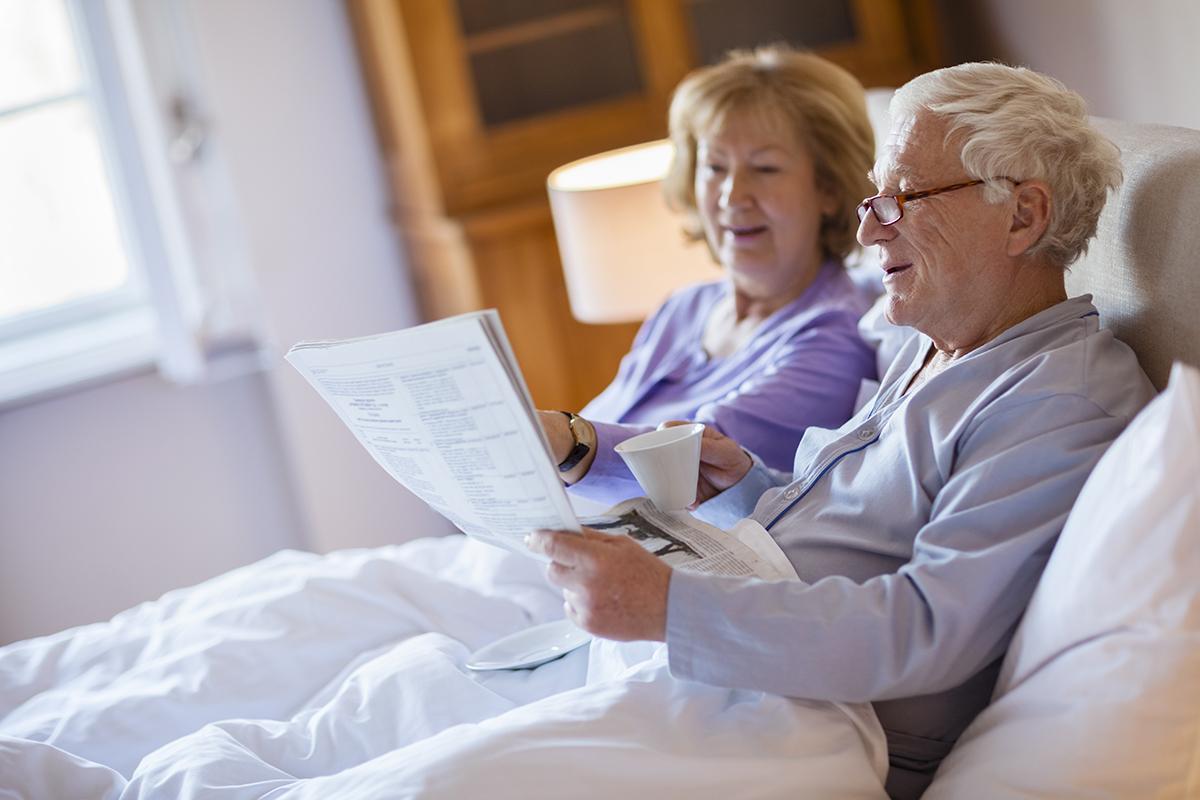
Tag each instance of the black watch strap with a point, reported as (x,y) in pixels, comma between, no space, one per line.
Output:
(578,448)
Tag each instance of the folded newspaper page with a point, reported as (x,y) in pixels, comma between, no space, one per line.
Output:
(443,408)
(685,542)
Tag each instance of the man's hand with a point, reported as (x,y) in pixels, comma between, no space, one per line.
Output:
(611,586)
(723,462)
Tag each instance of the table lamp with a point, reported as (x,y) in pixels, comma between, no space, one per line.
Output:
(622,249)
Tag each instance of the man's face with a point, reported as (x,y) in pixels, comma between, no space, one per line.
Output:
(944,260)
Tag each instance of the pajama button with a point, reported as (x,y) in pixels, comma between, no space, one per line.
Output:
(866,433)
(792,494)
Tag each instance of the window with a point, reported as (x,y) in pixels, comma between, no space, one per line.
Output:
(88,284)
(62,239)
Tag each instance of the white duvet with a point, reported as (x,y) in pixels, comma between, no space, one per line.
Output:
(342,676)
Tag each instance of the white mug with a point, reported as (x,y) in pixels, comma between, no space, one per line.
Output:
(666,462)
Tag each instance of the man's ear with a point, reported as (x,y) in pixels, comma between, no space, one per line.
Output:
(1031,216)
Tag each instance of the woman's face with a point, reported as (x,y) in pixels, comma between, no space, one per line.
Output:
(761,209)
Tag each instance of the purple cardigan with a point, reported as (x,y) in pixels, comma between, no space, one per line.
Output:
(802,367)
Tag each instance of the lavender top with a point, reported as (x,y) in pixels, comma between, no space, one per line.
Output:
(802,367)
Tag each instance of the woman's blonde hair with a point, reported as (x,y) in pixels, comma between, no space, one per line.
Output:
(1015,122)
(821,102)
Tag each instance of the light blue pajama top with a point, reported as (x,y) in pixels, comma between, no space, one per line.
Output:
(918,529)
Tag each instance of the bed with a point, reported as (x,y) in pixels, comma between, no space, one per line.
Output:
(342,675)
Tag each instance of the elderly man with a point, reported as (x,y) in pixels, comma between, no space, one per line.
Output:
(920,527)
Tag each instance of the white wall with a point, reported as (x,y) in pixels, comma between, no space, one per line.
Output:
(1130,59)
(116,493)
(284,83)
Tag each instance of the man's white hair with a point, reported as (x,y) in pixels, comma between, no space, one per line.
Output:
(1016,123)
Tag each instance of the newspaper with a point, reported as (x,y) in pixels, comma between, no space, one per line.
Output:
(443,408)
(685,542)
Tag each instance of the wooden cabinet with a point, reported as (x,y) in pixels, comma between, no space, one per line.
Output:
(476,101)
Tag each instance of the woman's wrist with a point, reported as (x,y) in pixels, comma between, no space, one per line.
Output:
(583,451)
(572,442)
(558,434)
(582,441)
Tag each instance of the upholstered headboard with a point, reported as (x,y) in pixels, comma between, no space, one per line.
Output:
(1144,266)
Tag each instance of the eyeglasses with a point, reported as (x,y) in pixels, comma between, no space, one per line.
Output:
(889,208)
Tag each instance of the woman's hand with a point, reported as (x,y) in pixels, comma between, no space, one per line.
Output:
(723,462)
(554,423)
(558,432)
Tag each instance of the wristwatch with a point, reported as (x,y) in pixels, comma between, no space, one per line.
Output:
(578,449)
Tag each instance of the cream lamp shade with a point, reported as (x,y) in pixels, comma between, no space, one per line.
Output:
(622,249)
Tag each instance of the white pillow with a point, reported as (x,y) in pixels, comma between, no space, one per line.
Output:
(1099,695)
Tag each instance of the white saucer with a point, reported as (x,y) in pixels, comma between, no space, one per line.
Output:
(530,647)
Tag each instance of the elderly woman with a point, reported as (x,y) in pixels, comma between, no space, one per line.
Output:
(771,153)
(919,528)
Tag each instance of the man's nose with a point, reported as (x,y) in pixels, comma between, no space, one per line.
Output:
(870,230)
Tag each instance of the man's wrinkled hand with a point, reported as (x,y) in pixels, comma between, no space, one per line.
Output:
(611,586)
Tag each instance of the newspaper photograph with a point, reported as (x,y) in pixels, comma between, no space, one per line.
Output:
(684,542)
